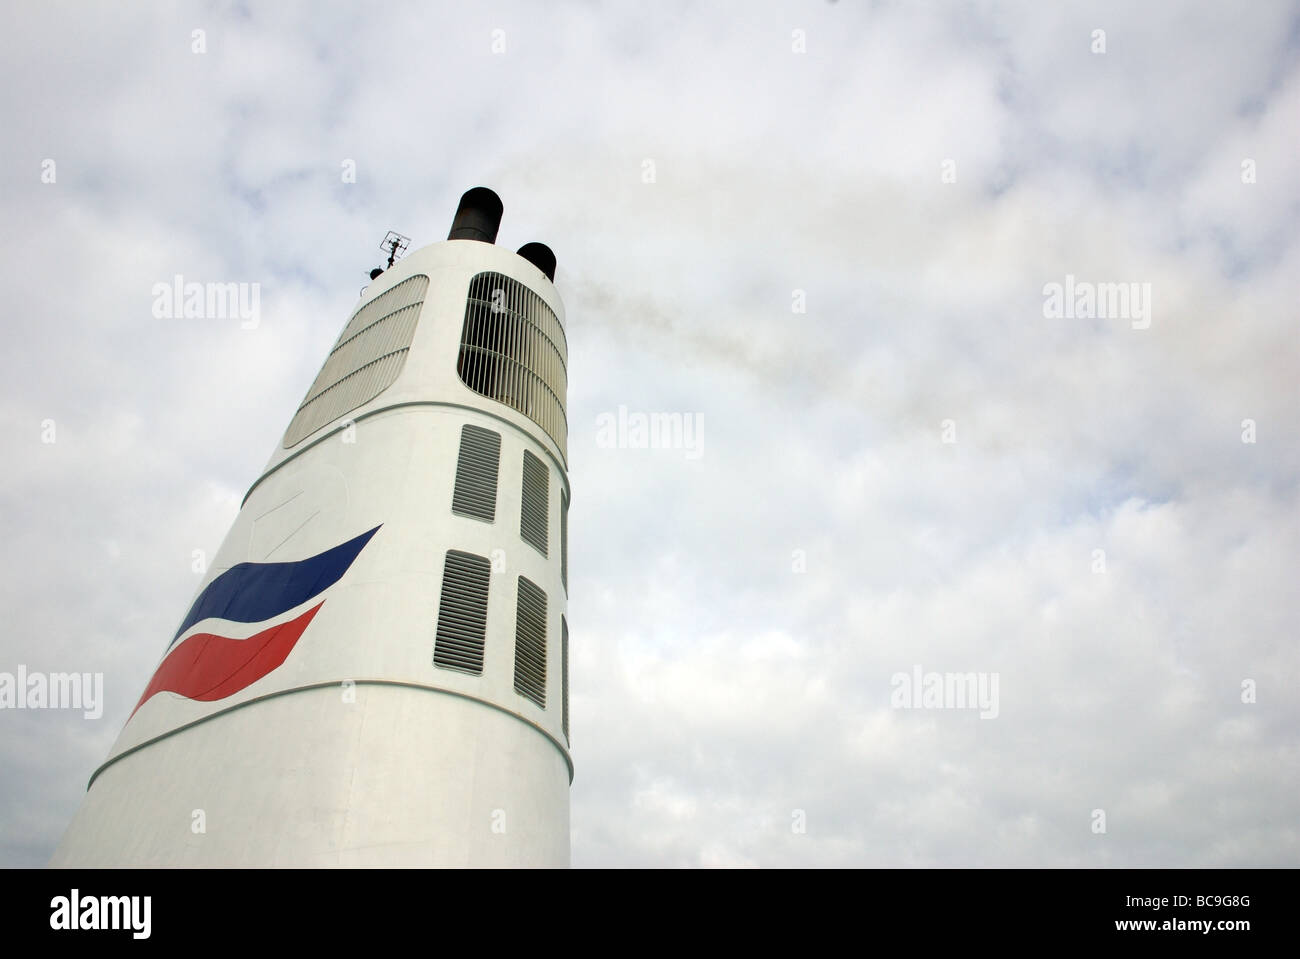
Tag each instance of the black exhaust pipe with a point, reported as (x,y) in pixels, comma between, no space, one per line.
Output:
(478,217)
(540,256)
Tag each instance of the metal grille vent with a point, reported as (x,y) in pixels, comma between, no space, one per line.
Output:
(533,525)
(476,473)
(564,672)
(564,541)
(512,350)
(462,613)
(365,361)
(530,642)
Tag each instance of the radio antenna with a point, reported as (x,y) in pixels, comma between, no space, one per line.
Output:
(394,245)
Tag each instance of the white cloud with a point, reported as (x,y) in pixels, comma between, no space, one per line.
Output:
(716,691)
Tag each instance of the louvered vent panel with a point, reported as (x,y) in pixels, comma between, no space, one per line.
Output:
(462,613)
(530,642)
(536,502)
(564,541)
(564,667)
(365,361)
(512,350)
(476,473)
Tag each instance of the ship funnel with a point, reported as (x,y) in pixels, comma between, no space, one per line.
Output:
(478,217)
(540,256)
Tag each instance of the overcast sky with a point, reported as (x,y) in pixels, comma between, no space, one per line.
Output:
(825,232)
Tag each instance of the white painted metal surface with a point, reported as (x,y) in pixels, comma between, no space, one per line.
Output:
(357,749)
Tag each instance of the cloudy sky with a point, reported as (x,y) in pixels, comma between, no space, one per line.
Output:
(826,232)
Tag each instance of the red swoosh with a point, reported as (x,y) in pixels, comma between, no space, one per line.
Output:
(208,667)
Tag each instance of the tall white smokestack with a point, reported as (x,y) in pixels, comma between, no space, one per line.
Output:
(375,669)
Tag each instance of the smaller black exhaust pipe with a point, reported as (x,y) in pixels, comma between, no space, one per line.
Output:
(540,256)
(478,217)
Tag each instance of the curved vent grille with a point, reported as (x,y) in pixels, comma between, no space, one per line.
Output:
(536,502)
(365,361)
(513,350)
(462,613)
(530,642)
(564,541)
(564,669)
(476,473)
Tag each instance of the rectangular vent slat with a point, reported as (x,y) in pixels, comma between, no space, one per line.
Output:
(534,516)
(564,541)
(365,361)
(462,612)
(513,350)
(564,671)
(530,642)
(477,466)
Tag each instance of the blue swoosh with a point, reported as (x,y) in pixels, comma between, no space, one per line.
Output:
(252,592)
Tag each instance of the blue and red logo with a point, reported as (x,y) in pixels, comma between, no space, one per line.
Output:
(207,666)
